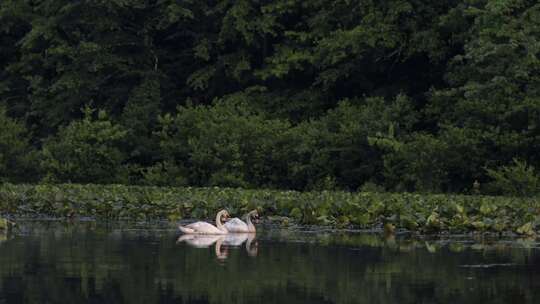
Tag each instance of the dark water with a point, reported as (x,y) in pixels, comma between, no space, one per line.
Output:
(88,262)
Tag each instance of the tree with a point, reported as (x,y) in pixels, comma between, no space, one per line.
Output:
(86,151)
(228,144)
(493,94)
(75,52)
(17,157)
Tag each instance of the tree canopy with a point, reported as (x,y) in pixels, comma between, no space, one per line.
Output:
(395,95)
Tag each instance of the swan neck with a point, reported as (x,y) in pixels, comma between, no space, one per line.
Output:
(219,225)
(251,227)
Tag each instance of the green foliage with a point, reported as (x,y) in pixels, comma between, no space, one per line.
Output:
(17,158)
(371,187)
(519,179)
(73,52)
(417,212)
(232,143)
(85,151)
(140,119)
(417,164)
(226,144)
(336,146)
(309,95)
(492,95)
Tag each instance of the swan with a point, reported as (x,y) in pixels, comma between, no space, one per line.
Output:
(206,228)
(236,225)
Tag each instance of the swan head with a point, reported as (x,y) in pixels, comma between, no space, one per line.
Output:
(254,214)
(224,215)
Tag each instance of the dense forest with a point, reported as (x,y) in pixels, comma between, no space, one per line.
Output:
(373,95)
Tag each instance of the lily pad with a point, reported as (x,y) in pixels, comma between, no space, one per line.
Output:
(526,229)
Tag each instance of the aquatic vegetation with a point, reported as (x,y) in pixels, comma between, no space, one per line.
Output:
(4,224)
(425,213)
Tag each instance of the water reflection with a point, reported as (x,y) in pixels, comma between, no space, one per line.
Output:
(222,243)
(51,262)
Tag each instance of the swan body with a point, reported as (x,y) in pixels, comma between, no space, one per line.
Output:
(207,228)
(236,225)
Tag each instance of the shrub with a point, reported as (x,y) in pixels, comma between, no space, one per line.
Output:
(518,179)
(165,173)
(225,144)
(85,151)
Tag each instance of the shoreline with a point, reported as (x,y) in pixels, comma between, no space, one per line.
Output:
(340,211)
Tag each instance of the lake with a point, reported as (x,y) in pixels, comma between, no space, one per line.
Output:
(97,262)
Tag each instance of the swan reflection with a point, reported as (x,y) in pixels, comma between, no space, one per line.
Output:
(222,242)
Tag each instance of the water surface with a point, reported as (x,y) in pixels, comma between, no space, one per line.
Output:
(89,262)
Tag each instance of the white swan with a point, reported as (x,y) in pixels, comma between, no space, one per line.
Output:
(206,228)
(236,225)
